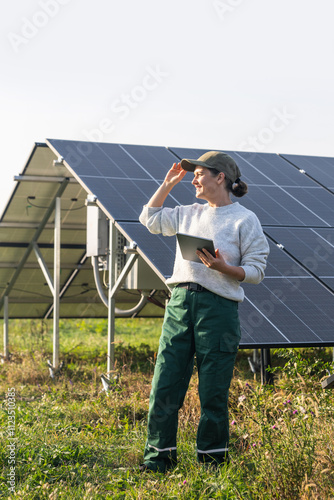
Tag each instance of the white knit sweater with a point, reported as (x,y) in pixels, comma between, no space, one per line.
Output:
(235,231)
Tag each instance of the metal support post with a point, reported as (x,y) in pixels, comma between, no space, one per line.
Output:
(255,362)
(56,284)
(266,377)
(5,331)
(256,357)
(111,300)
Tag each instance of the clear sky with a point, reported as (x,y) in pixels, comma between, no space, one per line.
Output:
(252,75)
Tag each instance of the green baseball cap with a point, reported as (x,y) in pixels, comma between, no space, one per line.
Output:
(214,159)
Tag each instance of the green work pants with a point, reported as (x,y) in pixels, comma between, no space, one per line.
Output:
(205,324)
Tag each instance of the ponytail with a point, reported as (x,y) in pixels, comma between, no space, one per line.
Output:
(238,188)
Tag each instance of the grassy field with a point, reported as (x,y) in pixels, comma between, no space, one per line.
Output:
(71,440)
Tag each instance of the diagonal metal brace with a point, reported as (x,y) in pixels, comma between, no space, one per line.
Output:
(43,267)
(328,383)
(125,271)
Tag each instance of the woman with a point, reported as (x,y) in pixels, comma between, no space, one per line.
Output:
(202,315)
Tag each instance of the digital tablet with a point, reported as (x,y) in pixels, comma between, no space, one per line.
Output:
(189,245)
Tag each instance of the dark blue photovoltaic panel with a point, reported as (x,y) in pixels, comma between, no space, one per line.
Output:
(123,199)
(290,307)
(261,169)
(125,174)
(123,177)
(99,160)
(301,309)
(275,207)
(319,168)
(155,160)
(278,193)
(160,249)
(318,200)
(328,281)
(191,154)
(256,329)
(249,175)
(313,248)
(275,168)
(280,264)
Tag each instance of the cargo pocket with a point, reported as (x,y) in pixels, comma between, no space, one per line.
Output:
(229,341)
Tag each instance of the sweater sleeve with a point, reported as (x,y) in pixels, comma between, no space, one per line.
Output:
(254,250)
(160,220)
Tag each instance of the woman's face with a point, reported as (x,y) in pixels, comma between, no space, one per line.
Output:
(206,184)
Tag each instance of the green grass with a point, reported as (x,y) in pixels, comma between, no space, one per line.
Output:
(72,440)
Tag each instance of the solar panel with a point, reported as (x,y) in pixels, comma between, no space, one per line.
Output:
(134,172)
(313,248)
(117,177)
(249,174)
(278,193)
(123,198)
(159,249)
(277,207)
(319,168)
(298,308)
(154,159)
(264,169)
(283,309)
(317,200)
(290,307)
(281,265)
(275,168)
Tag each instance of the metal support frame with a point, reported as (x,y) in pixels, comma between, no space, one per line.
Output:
(55,205)
(328,383)
(114,286)
(31,265)
(5,356)
(256,357)
(44,267)
(37,234)
(111,300)
(255,362)
(125,271)
(78,268)
(43,178)
(34,225)
(56,283)
(266,377)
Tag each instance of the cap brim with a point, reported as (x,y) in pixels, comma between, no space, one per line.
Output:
(190,165)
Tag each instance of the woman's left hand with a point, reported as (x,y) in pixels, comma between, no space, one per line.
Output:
(217,263)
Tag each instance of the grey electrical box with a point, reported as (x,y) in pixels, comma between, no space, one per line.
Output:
(97,232)
(142,277)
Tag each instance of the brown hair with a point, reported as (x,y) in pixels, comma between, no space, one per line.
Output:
(238,188)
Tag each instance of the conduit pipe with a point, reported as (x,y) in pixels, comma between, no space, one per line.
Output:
(123,313)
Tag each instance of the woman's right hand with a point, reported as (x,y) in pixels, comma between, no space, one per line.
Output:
(174,175)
